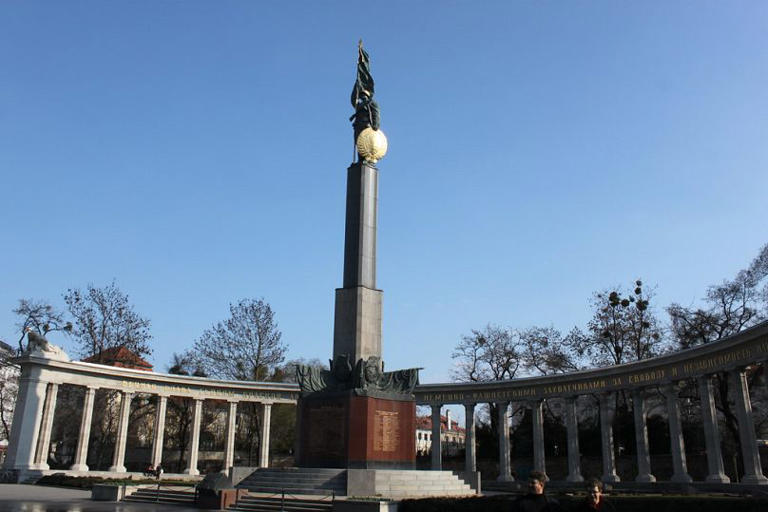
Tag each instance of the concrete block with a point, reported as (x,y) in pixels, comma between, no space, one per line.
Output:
(365,506)
(111,492)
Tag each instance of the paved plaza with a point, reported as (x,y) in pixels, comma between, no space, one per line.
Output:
(35,498)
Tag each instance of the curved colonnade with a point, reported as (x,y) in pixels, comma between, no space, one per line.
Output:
(38,388)
(730,355)
(41,376)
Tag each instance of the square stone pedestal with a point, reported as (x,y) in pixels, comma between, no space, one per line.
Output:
(344,430)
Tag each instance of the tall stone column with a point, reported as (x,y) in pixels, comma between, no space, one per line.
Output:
(266,420)
(436,445)
(641,437)
(711,432)
(537,414)
(27,417)
(229,452)
(118,459)
(46,425)
(157,441)
(505,468)
(470,463)
(606,436)
(574,454)
(753,470)
(677,444)
(194,445)
(81,452)
(357,322)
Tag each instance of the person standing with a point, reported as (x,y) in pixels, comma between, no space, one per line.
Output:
(535,500)
(595,500)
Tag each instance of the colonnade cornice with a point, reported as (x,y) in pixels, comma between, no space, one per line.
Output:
(747,347)
(137,381)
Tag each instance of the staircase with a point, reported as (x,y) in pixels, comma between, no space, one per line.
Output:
(263,504)
(411,483)
(167,495)
(317,481)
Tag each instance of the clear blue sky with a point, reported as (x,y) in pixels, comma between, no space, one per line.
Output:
(196,153)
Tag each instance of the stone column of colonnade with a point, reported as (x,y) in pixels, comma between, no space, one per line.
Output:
(677,444)
(159,435)
(505,467)
(229,451)
(28,412)
(81,452)
(606,436)
(574,454)
(436,444)
(537,413)
(46,426)
(716,469)
(470,462)
(266,420)
(641,437)
(118,459)
(194,445)
(753,471)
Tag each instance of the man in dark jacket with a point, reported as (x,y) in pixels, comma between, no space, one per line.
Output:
(595,500)
(536,500)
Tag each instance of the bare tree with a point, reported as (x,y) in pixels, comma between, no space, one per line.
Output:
(179,425)
(103,319)
(9,388)
(490,354)
(246,346)
(41,317)
(622,328)
(729,307)
(545,351)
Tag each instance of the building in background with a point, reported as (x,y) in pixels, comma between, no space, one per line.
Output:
(451,435)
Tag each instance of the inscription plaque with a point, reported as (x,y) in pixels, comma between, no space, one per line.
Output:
(327,421)
(386,431)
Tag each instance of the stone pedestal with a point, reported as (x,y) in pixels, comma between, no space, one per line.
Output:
(344,430)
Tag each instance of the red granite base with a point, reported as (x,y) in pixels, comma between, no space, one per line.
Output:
(350,431)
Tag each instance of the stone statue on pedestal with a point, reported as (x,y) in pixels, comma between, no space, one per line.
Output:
(38,346)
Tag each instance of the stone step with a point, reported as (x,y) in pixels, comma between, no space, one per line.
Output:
(296,490)
(416,486)
(416,478)
(321,481)
(325,471)
(256,507)
(146,498)
(252,503)
(294,478)
(164,492)
(416,493)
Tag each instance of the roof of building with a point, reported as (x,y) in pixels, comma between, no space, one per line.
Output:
(4,347)
(119,356)
(425,423)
